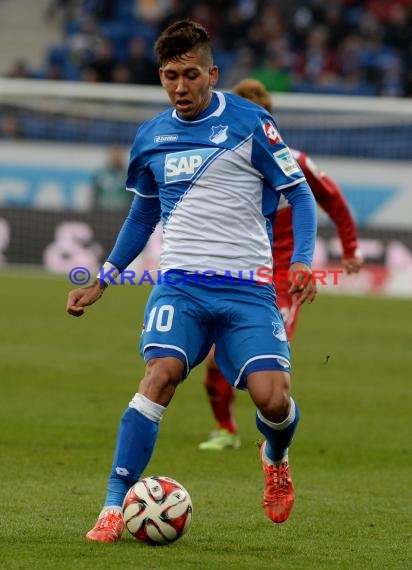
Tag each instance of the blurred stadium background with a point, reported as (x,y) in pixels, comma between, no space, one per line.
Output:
(79,76)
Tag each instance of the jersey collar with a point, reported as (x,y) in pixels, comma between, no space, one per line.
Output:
(211,111)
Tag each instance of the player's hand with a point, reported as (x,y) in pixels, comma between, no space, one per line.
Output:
(353,264)
(301,283)
(78,299)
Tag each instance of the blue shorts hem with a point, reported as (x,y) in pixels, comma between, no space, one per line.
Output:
(152,352)
(260,365)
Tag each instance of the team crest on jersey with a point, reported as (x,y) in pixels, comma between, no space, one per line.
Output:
(219,134)
(285,159)
(184,165)
(279,332)
(271,132)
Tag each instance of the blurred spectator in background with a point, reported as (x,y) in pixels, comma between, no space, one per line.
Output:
(120,74)
(244,64)
(206,15)
(175,10)
(273,75)
(348,60)
(109,183)
(62,9)
(89,74)
(82,37)
(19,70)
(143,69)
(10,126)
(101,9)
(316,62)
(53,72)
(381,67)
(103,60)
(232,28)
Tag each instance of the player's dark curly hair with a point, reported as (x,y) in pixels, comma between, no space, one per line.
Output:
(182,37)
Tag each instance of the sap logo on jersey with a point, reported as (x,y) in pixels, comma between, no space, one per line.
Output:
(184,165)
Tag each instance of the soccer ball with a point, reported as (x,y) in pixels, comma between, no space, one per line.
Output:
(157,510)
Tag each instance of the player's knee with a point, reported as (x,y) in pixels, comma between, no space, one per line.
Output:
(165,371)
(272,395)
(277,407)
(161,378)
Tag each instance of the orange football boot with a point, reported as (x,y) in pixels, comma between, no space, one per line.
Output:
(109,527)
(279,494)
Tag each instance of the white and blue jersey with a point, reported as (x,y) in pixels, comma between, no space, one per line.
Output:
(216,183)
(218,180)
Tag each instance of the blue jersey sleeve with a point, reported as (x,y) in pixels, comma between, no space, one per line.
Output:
(139,176)
(304,220)
(140,223)
(272,157)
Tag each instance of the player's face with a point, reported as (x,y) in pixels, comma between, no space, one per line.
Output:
(188,82)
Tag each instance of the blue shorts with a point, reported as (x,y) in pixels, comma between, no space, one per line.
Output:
(183,320)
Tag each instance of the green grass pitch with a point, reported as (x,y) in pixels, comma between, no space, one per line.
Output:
(64,383)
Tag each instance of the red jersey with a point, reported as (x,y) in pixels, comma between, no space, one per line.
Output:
(331,200)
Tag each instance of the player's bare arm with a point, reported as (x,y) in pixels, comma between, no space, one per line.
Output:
(79,299)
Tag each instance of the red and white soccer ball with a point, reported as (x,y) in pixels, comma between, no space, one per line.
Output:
(157,510)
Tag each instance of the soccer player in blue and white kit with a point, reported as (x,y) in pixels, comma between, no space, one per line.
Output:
(212,168)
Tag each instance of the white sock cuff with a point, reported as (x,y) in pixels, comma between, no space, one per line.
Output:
(286,422)
(146,407)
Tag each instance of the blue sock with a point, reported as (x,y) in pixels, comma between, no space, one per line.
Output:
(136,439)
(278,436)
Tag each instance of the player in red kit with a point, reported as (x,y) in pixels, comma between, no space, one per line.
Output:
(329,197)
